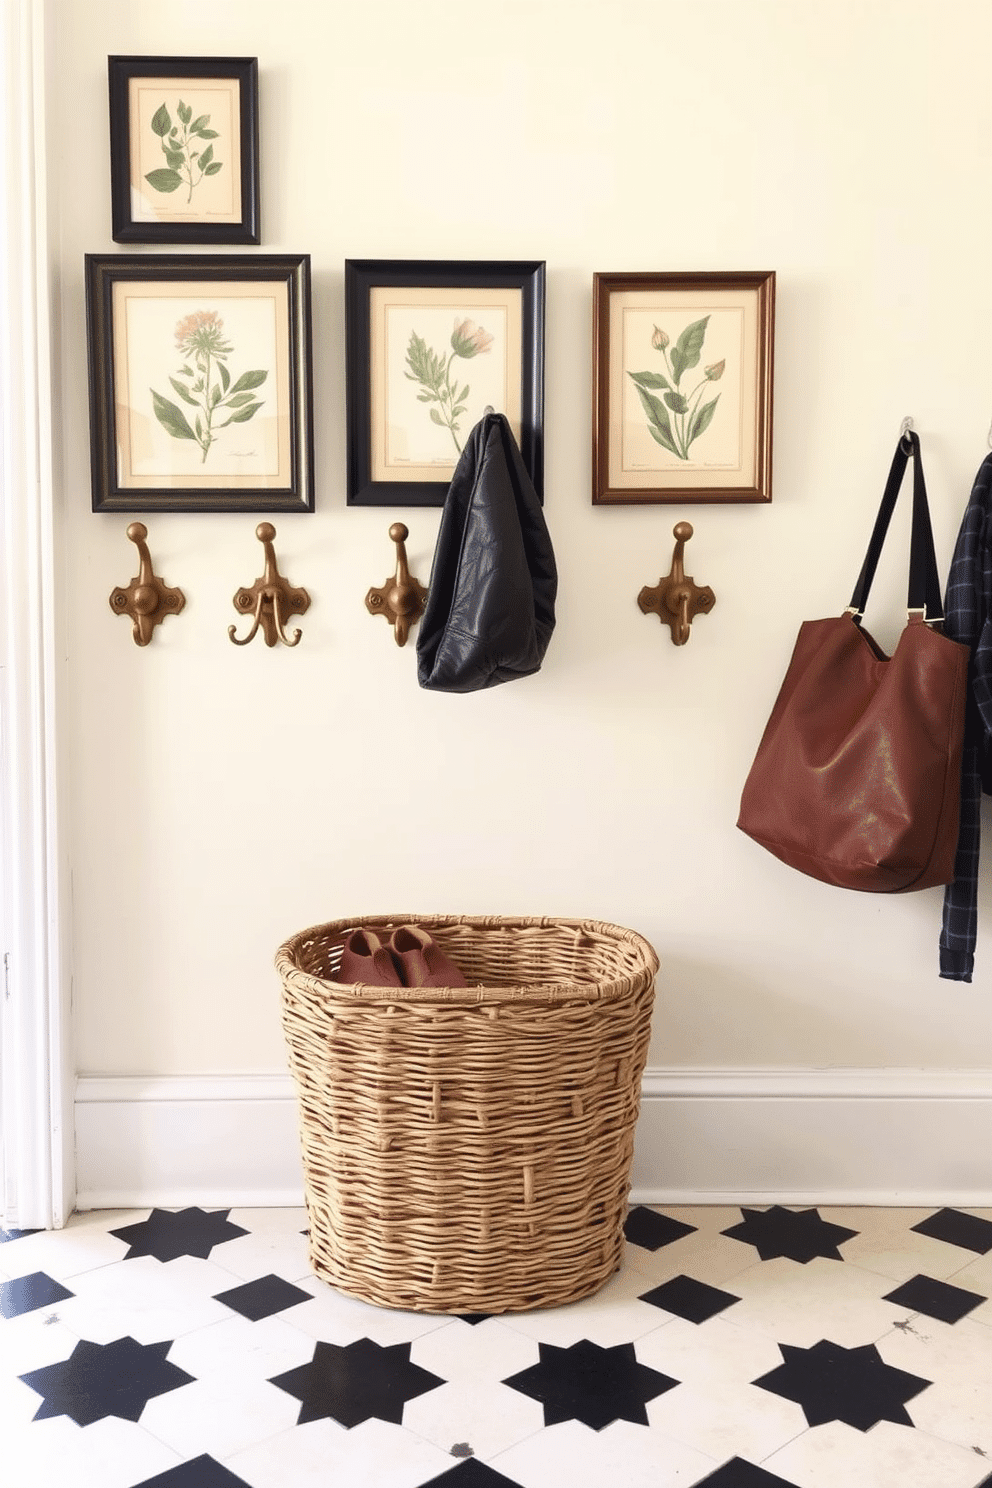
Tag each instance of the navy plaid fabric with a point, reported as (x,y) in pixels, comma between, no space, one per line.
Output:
(968,618)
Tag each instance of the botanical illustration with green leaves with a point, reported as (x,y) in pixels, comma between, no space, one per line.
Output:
(187,145)
(432,371)
(203,382)
(679,416)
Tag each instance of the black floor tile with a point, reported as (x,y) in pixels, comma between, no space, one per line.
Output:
(105,1379)
(201,1472)
(262,1298)
(471,1474)
(6,1235)
(167,1235)
(937,1299)
(695,1301)
(853,1385)
(473,1318)
(356,1383)
(650,1230)
(967,1230)
(28,1293)
(740,1474)
(591,1384)
(797,1235)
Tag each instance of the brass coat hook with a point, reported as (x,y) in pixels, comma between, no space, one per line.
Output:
(401,599)
(270,600)
(146,600)
(677,600)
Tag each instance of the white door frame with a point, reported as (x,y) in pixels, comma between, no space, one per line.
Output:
(36,1135)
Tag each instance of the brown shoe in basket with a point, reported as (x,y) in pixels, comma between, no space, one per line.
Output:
(421,959)
(365,959)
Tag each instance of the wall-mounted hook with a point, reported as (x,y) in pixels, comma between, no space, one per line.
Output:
(270,600)
(146,600)
(677,600)
(906,428)
(402,598)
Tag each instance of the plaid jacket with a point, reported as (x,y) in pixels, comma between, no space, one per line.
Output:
(968,618)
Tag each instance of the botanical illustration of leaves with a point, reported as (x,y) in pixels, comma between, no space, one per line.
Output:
(212,170)
(207,133)
(207,156)
(183,392)
(677,402)
(225,376)
(197,128)
(688,348)
(649,379)
(659,424)
(249,380)
(161,122)
(701,419)
(242,416)
(239,400)
(437,417)
(172,419)
(185,112)
(175,159)
(164,180)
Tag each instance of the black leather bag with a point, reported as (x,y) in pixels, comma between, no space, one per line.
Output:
(491,607)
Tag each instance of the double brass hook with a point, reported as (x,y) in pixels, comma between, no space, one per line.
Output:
(402,599)
(147,599)
(270,600)
(677,600)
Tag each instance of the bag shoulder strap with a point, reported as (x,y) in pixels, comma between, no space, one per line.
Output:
(924,581)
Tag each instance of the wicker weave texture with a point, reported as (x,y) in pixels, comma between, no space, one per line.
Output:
(468,1149)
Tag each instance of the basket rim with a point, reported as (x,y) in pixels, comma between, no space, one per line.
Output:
(292,975)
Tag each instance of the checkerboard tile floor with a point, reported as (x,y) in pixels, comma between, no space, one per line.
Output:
(737,1347)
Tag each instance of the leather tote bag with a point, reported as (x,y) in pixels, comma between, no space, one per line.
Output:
(857,777)
(491,607)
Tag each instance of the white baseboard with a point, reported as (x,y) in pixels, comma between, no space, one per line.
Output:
(748,1136)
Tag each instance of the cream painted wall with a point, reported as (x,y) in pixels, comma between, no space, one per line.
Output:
(222,799)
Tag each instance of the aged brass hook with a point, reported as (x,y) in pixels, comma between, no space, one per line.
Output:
(677,600)
(146,600)
(401,599)
(270,599)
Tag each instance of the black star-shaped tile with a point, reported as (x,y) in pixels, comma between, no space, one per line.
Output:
(956,1228)
(472,1474)
(201,1472)
(853,1385)
(686,1298)
(591,1384)
(651,1230)
(357,1382)
(105,1379)
(937,1299)
(28,1293)
(473,1318)
(740,1474)
(166,1235)
(797,1235)
(261,1298)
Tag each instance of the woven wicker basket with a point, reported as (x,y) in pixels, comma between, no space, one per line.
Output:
(468,1149)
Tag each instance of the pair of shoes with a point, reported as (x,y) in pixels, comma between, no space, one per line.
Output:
(410,958)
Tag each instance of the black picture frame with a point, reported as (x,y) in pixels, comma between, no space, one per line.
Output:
(223,101)
(194,321)
(383,299)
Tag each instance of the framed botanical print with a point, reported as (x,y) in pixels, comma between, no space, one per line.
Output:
(184,149)
(430,346)
(200,382)
(682,387)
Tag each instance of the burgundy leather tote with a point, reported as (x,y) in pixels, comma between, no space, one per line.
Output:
(857,777)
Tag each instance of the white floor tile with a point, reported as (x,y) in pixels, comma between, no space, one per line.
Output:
(725,1420)
(712,1353)
(321,1454)
(800,1304)
(487,1419)
(613,1315)
(220,1415)
(239,1349)
(108,1454)
(484,1353)
(887,1456)
(274,1246)
(958,1359)
(620,1454)
(901,1254)
(62,1254)
(340,1319)
(145,1299)
(706,1256)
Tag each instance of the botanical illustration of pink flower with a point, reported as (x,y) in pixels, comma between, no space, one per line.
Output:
(433,372)
(204,383)
(678,418)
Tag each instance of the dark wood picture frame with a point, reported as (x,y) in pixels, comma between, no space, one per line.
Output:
(200,107)
(176,340)
(646,419)
(385,302)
